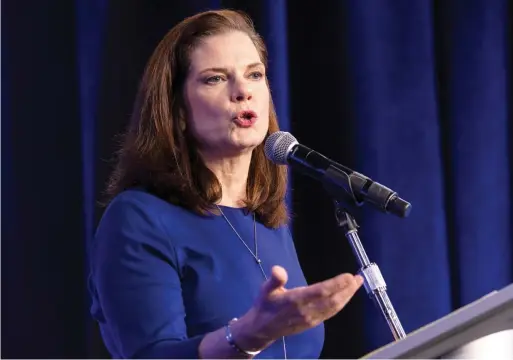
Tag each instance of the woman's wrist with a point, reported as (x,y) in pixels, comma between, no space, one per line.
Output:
(229,337)
(246,335)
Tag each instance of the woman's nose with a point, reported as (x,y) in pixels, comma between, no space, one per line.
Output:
(242,92)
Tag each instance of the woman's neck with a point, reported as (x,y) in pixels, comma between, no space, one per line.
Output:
(232,173)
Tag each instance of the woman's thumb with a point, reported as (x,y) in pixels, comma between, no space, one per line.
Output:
(278,279)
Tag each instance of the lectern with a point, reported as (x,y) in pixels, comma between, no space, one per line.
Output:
(481,328)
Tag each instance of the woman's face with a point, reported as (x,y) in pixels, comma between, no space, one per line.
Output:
(227,96)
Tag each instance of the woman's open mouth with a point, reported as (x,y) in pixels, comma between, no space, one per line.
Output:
(246,118)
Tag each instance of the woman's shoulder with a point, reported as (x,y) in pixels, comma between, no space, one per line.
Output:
(136,216)
(141,199)
(140,203)
(134,196)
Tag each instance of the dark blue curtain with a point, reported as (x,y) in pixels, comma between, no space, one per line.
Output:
(430,96)
(415,94)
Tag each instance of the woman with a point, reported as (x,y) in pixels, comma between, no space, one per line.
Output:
(193,257)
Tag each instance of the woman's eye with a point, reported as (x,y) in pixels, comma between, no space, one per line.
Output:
(256,75)
(214,79)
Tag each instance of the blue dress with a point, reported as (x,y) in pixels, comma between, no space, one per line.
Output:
(162,277)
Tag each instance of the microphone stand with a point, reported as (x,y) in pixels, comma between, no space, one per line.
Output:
(373,279)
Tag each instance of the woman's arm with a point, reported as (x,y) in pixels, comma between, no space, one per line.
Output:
(136,278)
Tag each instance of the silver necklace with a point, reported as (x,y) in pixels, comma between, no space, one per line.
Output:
(254,254)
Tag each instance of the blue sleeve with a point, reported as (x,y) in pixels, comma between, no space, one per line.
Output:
(137,280)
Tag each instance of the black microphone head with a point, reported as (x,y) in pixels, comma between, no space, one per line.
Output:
(278,146)
(399,207)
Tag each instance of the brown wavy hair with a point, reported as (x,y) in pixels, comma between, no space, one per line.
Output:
(159,154)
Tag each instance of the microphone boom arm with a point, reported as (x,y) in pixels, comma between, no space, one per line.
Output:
(373,279)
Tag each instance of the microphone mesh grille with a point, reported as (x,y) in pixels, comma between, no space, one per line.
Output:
(278,145)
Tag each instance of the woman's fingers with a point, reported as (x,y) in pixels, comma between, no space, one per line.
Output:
(340,299)
(325,289)
(325,299)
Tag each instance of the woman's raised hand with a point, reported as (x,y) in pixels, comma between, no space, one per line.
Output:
(280,312)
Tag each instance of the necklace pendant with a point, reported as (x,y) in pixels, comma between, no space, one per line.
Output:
(258,261)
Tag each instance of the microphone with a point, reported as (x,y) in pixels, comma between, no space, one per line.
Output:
(282,148)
